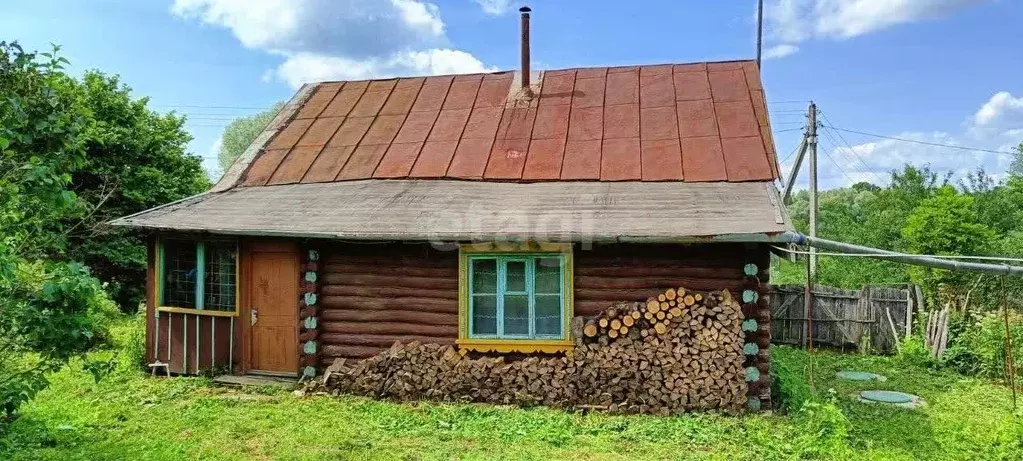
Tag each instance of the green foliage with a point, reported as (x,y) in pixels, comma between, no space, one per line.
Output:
(1016,167)
(918,212)
(41,137)
(133,352)
(53,312)
(945,224)
(73,154)
(980,349)
(789,388)
(914,352)
(824,430)
(240,133)
(134,160)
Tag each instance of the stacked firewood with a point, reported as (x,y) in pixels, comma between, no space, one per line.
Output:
(657,315)
(679,351)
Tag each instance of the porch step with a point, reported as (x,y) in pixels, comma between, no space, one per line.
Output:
(255,380)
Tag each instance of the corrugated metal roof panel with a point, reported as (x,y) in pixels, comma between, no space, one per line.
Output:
(624,109)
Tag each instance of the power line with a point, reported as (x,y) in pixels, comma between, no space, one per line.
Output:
(211,107)
(849,149)
(926,143)
(851,155)
(788,129)
(787,157)
(842,170)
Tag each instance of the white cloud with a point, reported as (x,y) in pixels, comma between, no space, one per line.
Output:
(494,7)
(1001,108)
(780,51)
(997,125)
(310,67)
(789,22)
(337,38)
(211,160)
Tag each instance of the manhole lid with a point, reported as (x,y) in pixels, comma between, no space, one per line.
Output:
(887,396)
(859,376)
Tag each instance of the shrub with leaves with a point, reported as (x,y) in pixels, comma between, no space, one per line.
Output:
(824,429)
(54,311)
(981,348)
(50,309)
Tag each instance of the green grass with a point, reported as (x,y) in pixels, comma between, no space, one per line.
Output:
(131,416)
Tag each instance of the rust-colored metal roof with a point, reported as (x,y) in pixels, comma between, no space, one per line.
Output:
(702,122)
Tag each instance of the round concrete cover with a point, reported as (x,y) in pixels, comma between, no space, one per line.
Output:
(887,396)
(858,376)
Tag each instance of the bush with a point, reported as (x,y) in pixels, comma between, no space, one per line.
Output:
(980,348)
(133,352)
(824,430)
(789,387)
(51,313)
(913,351)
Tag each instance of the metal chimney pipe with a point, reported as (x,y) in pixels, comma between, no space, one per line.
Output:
(525,46)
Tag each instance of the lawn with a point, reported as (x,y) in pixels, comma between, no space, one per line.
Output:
(131,416)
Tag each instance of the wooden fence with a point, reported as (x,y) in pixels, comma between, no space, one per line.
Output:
(876,317)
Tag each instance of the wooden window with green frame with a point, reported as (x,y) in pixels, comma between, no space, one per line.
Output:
(197,275)
(515,301)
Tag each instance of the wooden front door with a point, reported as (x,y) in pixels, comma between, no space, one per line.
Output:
(273,310)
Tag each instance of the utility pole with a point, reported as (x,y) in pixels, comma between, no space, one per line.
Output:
(811,143)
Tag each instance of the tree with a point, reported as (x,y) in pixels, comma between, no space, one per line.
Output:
(998,205)
(946,224)
(240,133)
(135,159)
(1016,168)
(50,310)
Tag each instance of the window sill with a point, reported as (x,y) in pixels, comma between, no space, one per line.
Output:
(210,313)
(515,345)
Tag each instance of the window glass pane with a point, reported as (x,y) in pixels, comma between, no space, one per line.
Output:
(548,315)
(516,315)
(484,276)
(515,277)
(179,273)
(220,276)
(484,315)
(547,276)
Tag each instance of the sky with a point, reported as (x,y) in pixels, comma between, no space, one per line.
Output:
(938,71)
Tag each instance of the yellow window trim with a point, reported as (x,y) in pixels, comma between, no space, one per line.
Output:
(465,343)
(158,271)
(206,312)
(505,346)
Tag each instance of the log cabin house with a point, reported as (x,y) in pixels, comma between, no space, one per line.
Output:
(483,211)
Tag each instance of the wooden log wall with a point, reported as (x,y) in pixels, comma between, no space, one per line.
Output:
(613,273)
(372,295)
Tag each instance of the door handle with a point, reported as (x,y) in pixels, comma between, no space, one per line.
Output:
(253,316)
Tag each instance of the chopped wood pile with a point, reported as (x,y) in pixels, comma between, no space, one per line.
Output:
(679,351)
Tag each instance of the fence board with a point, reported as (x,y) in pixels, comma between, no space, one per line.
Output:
(876,314)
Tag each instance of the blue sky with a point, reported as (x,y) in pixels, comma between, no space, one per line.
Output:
(945,71)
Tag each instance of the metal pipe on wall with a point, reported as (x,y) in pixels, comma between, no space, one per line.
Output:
(916,260)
